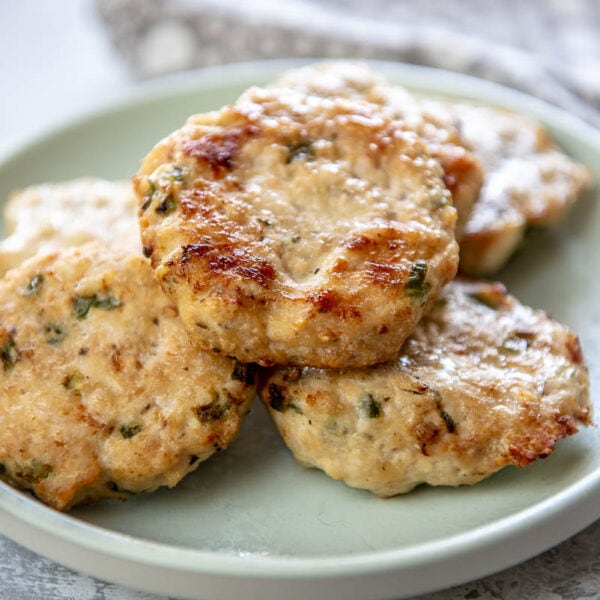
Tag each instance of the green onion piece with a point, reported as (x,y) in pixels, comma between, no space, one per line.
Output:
(147,201)
(276,398)
(106,303)
(450,424)
(416,285)
(34,472)
(9,354)
(516,343)
(175,174)
(83,304)
(128,431)
(54,333)
(370,408)
(208,413)
(73,380)
(166,206)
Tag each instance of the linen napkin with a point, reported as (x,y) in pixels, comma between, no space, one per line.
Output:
(548,48)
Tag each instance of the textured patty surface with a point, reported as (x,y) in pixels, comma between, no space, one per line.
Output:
(463,173)
(484,382)
(529,181)
(58,215)
(295,229)
(100,392)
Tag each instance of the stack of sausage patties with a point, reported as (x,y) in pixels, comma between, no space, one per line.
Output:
(305,240)
(311,228)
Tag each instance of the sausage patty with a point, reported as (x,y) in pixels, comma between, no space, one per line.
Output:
(295,229)
(529,181)
(483,382)
(101,394)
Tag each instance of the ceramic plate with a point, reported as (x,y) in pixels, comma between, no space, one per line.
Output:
(250,520)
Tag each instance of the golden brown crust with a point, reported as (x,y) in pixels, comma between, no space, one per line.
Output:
(101,395)
(483,383)
(294,229)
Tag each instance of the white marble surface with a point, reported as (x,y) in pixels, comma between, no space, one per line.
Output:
(55,62)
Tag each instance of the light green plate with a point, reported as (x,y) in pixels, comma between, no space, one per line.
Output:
(250,521)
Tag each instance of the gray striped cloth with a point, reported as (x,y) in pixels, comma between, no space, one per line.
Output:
(548,48)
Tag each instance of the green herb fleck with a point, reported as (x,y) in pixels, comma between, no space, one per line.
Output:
(276,398)
(148,197)
(303,150)
(35,284)
(244,372)
(34,472)
(335,427)
(370,408)
(9,354)
(128,431)
(73,380)
(207,413)
(416,285)
(166,206)
(296,239)
(54,333)
(175,174)
(264,222)
(83,304)
(106,303)
(278,401)
(450,424)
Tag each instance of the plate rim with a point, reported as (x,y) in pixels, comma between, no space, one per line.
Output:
(519,524)
(583,494)
(160,88)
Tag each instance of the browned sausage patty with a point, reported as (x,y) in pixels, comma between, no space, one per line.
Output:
(483,382)
(295,229)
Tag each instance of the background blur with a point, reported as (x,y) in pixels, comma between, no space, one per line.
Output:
(62,58)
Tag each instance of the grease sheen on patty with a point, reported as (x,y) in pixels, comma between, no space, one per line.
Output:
(296,229)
